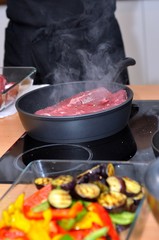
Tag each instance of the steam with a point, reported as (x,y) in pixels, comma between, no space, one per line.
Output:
(81,50)
(97,66)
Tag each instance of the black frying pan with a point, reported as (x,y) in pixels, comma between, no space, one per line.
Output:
(73,129)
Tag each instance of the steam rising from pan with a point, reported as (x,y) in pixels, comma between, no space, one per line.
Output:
(85,48)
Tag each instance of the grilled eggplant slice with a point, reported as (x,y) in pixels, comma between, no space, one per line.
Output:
(60,198)
(42,181)
(107,170)
(132,187)
(66,182)
(103,187)
(98,172)
(116,184)
(89,175)
(130,205)
(113,201)
(87,191)
(133,202)
(137,198)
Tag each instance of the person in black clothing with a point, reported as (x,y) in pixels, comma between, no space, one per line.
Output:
(65,40)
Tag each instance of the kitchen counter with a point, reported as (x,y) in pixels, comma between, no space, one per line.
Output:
(11,129)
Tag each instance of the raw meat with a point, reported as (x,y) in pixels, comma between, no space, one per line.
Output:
(87,102)
(4,85)
(3,82)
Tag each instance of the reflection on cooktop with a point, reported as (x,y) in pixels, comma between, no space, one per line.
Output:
(133,143)
(120,146)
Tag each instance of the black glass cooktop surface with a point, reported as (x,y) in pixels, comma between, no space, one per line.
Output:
(133,143)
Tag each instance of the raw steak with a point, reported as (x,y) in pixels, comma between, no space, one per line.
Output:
(3,83)
(91,101)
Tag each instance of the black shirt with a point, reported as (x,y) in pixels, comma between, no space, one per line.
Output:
(44,12)
(53,33)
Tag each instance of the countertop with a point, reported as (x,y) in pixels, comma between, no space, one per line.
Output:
(11,129)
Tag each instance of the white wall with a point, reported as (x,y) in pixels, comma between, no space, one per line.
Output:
(139,25)
(130,18)
(3,24)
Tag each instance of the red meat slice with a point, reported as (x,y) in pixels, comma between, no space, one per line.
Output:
(3,82)
(85,102)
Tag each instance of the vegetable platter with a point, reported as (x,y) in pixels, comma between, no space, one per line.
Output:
(93,200)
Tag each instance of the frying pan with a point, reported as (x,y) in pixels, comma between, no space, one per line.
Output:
(155,143)
(73,129)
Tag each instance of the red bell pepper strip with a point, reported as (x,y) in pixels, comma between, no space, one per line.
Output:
(12,233)
(78,234)
(37,197)
(96,207)
(58,214)
(33,215)
(76,208)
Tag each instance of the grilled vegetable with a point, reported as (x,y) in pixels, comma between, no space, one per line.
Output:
(107,170)
(96,173)
(103,187)
(42,181)
(89,175)
(57,213)
(123,218)
(113,201)
(116,184)
(59,198)
(66,182)
(130,205)
(132,187)
(41,207)
(88,191)
(137,198)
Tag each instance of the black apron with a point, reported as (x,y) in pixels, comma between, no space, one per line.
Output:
(83,43)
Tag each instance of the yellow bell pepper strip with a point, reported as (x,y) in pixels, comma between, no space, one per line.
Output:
(14,217)
(39,230)
(97,208)
(18,204)
(87,221)
(19,221)
(58,236)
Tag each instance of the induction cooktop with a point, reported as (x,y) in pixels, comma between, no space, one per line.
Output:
(133,143)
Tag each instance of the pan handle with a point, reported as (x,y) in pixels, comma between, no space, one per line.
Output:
(121,65)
